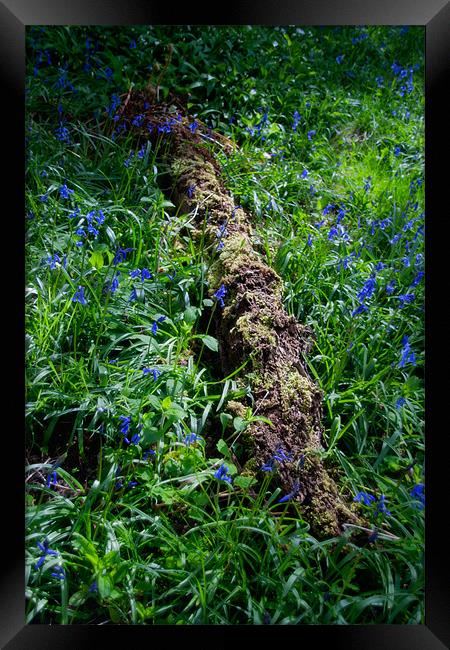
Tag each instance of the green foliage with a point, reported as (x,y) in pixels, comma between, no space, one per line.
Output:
(122,383)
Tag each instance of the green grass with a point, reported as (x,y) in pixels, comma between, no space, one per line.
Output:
(144,531)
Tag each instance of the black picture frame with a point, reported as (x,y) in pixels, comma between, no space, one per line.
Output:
(434,15)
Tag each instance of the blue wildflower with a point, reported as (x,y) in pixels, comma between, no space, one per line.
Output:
(405,299)
(52,479)
(418,493)
(93,587)
(79,296)
(291,494)
(222,474)
(407,355)
(190,191)
(52,260)
(132,44)
(151,371)
(311,134)
(155,324)
(297,118)
(194,126)
(365,497)
(45,550)
(149,452)
(381,507)
(304,173)
(121,255)
(191,438)
(362,307)
(417,279)
(390,287)
(126,421)
(59,573)
(340,58)
(220,294)
(368,289)
(62,134)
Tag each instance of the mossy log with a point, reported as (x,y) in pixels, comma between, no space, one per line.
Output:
(253,325)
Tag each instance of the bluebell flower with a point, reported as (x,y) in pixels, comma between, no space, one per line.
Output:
(359,310)
(191,438)
(418,493)
(407,355)
(309,241)
(368,183)
(190,191)
(297,118)
(133,295)
(52,479)
(311,134)
(121,255)
(44,198)
(368,289)
(93,587)
(379,81)
(149,452)
(304,173)
(155,324)
(381,507)
(132,44)
(126,421)
(365,497)
(390,287)
(79,296)
(399,403)
(220,294)
(52,260)
(222,474)
(45,550)
(59,573)
(152,371)
(292,494)
(405,299)
(417,279)
(340,58)
(137,120)
(194,126)
(74,214)
(397,150)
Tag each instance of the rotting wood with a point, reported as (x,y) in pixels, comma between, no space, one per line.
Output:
(253,324)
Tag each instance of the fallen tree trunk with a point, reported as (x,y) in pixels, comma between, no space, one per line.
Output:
(252,325)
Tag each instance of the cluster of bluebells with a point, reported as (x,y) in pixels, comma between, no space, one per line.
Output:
(220,234)
(365,294)
(79,296)
(93,218)
(256,130)
(58,572)
(418,493)
(369,500)
(125,429)
(404,77)
(280,456)
(155,324)
(407,355)
(222,474)
(152,371)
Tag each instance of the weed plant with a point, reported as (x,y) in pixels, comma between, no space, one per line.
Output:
(137,508)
